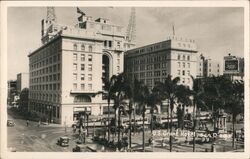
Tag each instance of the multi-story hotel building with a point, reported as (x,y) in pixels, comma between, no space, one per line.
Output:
(66,71)
(152,63)
(206,67)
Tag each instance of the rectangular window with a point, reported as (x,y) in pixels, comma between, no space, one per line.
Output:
(179,64)
(89,57)
(82,67)
(188,72)
(90,67)
(82,57)
(188,65)
(82,77)
(90,77)
(118,68)
(75,57)
(183,64)
(74,76)
(183,72)
(82,87)
(58,67)
(75,67)
(110,43)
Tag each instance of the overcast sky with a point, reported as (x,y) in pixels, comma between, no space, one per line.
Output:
(217,31)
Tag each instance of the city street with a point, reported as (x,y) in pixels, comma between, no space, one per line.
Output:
(34,138)
(44,138)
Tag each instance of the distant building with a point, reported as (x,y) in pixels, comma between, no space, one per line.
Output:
(12,92)
(206,67)
(66,71)
(153,63)
(22,81)
(233,67)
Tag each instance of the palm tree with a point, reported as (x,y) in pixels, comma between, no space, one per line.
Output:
(142,94)
(121,89)
(183,94)
(234,102)
(153,100)
(169,91)
(109,93)
(197,97)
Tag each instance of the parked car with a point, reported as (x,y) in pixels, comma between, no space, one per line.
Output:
(63,141)
(81,148)
(10,123)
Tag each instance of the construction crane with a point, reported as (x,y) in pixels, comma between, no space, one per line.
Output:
(131,29)
(51,15)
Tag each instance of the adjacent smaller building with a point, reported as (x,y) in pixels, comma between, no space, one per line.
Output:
(22,81)
(233,67)
(206,67)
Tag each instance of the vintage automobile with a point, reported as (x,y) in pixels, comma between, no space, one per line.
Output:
(81,148)
(63,141)
(10,123)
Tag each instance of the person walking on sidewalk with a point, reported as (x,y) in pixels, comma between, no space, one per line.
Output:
(27,122)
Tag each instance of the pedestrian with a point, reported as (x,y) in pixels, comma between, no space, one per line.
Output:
(74,128)
(39,123)
(27,122)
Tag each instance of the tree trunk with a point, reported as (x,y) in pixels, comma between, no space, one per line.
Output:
(115,120)
(152,115)
(183,117)
(233,141)
(130,134)
(143,130)
(119,125)
(171,123)
(194,122)
(108,119)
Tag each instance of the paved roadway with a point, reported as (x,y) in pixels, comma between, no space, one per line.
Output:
(44,138)
(34,138)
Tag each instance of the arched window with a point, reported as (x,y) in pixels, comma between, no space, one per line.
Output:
(90,48)
(75,46)
(82,99)
(82,47)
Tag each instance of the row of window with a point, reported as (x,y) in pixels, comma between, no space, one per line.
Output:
(46,97)
(47,70)
(83,47)
(90,67)
(149,59)
(183,65)
(82,57)
(82,87)
(147,67)
(183,72)
(46,62)
(48,78)
(184,57)
(150,74)
(46,87)
(75,77)
(45,52)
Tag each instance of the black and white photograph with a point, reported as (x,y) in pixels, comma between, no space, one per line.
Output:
(121,79)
